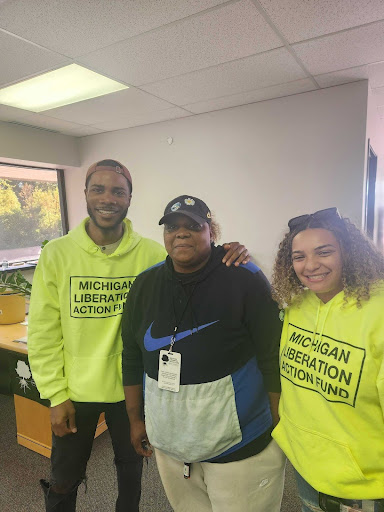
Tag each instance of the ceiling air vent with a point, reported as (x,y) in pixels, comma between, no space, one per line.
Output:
(31,126)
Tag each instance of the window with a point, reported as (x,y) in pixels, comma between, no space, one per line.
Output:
(32,209)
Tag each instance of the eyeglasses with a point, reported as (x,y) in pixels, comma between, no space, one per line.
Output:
(328,213)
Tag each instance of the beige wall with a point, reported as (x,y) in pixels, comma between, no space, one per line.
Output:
(256,166)
(31,145)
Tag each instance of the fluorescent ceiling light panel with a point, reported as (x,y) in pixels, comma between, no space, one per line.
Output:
(63,86)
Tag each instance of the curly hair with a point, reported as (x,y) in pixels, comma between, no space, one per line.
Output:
(363,264)
(215,229)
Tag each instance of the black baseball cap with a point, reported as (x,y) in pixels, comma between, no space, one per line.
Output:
(190,206)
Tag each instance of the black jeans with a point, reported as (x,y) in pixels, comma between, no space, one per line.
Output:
(71,453)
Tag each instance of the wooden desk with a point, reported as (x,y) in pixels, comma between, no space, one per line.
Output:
(32,414)
(8,333)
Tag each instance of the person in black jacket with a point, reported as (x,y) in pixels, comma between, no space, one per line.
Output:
(206,338)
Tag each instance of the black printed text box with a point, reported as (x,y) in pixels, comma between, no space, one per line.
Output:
(322,364)
(98,297)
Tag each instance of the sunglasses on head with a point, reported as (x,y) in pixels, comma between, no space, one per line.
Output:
(328,213)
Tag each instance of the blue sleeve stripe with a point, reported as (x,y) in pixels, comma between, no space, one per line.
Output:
(251,267)
(153,266)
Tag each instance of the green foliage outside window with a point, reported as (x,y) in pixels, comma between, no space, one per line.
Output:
(29,213)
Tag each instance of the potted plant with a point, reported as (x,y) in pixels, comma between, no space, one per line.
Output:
(14,288)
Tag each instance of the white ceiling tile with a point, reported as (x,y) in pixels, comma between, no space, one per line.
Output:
(305,19)
(352,48)
(268,93)
(109,107)
(76,27)
(201,54)
(231,32)
(19,59)
(376,74)
(342,77)
(144,118)
(266,69)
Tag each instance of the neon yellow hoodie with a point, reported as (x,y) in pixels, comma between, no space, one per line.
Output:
(78,293)
(331,409)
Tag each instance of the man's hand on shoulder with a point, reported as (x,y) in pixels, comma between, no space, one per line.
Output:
(236,254)
(63,419)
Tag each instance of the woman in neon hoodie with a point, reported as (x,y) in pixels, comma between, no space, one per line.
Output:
(329,279)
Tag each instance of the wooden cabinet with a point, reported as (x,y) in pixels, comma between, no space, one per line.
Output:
(34,426)
(32,414)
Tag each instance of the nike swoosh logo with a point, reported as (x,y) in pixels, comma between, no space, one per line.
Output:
(152,344)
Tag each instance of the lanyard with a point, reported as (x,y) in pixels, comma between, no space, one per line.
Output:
(173,337)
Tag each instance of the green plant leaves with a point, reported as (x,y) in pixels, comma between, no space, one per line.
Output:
(14,282)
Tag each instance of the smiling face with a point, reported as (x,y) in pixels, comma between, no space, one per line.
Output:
(108,198)
(318,263)
(187,243)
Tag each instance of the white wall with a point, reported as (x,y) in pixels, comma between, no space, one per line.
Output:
(21,143)
(256,166)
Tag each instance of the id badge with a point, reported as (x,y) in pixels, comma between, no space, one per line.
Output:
(169,370)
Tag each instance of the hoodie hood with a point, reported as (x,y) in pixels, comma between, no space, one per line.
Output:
(186,284)
(323,310)
(337,301)
(129,241)
(215,259)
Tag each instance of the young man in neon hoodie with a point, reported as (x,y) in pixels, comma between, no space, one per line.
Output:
(74,343)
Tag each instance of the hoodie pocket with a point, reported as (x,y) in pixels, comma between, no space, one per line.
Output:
(195,424)
(317,457)
(95,379)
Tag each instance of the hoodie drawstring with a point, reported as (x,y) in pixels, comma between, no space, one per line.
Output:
(328,308)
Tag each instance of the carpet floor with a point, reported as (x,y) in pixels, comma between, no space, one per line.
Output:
(20,470)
